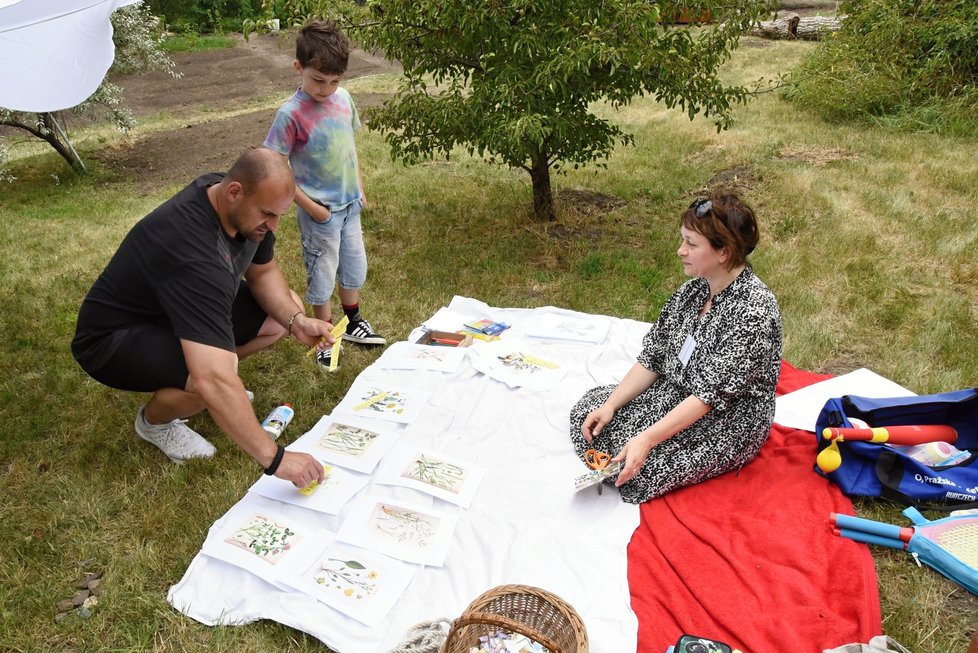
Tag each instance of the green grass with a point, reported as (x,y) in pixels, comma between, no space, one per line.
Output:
(868,241)
(197,42)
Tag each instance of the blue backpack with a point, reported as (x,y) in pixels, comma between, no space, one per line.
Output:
(880,470)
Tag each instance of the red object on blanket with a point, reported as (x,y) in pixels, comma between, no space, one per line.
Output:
(749,558)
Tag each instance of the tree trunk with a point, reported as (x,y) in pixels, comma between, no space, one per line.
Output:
(48,132)
(54,136)
(812,28)
(543,196)
(792,26)
(828,6)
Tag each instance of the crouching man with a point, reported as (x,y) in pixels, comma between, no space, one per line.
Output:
(193,287)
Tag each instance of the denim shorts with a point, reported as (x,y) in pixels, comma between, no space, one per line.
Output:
(332,251)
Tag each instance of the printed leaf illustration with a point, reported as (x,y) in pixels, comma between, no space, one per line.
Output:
(264,538)
(439,473)
(427,354)
(348,440)
(405,526)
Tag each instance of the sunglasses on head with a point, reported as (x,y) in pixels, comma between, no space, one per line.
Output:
(701,207)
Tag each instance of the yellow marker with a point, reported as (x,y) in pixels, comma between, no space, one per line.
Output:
(541,362)
(370,402)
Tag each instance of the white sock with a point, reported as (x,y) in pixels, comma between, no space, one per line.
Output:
(144,422)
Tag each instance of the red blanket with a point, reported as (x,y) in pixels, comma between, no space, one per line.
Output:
(748,558)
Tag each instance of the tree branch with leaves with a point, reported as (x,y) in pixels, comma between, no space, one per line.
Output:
(513,80)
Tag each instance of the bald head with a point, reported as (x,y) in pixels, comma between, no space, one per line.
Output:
(262,167)
(254,194)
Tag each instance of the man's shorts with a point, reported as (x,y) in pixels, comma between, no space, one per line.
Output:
(148,357)
(332,251)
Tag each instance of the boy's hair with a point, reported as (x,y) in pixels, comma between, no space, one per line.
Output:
(323,46)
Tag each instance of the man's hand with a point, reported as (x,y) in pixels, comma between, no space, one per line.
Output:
(311,331)
(595,421)
(299,468)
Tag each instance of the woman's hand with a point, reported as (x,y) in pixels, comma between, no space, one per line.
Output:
(634,454)
(595,421)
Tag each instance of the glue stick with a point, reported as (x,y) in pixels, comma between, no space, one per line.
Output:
(277,420)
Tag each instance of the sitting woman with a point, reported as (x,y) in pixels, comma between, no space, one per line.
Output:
(700,400)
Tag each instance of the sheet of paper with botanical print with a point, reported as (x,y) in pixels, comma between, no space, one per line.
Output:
(264,538)
(336,489)
(409,532)
(517,363)
(555,326)
(351,442)
(256,534)
(360,583)
(412,356)
(379,400)
(441,476)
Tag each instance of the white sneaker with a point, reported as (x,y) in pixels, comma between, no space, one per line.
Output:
(177,440)
(251,395)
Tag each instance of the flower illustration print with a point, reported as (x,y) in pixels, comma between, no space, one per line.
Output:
(383,401)
(516,362)
(348,578)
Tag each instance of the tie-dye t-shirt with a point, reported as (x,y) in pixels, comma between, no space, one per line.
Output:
(318,139)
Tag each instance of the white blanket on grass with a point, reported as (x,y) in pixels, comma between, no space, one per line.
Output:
(525,525)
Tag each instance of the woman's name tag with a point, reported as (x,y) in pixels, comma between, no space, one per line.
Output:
(687,350)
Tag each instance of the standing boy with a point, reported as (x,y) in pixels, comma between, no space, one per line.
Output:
(314,129)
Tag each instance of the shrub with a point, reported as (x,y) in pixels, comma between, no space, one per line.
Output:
(908,63)
(185,16)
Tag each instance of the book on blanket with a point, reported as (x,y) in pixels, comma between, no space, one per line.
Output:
(486,327)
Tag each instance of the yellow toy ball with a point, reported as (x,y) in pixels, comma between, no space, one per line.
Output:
(829,459)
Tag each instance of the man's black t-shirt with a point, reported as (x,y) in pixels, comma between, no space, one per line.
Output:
(177,268)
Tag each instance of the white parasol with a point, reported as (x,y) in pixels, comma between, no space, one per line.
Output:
(54,53)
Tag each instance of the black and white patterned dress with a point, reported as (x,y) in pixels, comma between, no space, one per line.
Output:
(734,368)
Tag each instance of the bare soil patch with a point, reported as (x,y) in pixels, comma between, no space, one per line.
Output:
(587,202)
(815,155)
(738,180)
(576,207)
(215,80)
(225,79)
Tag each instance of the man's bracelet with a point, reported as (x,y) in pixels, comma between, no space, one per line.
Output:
(276,461)
(297,314)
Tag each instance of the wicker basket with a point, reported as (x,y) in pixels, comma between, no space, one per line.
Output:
(530,611)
